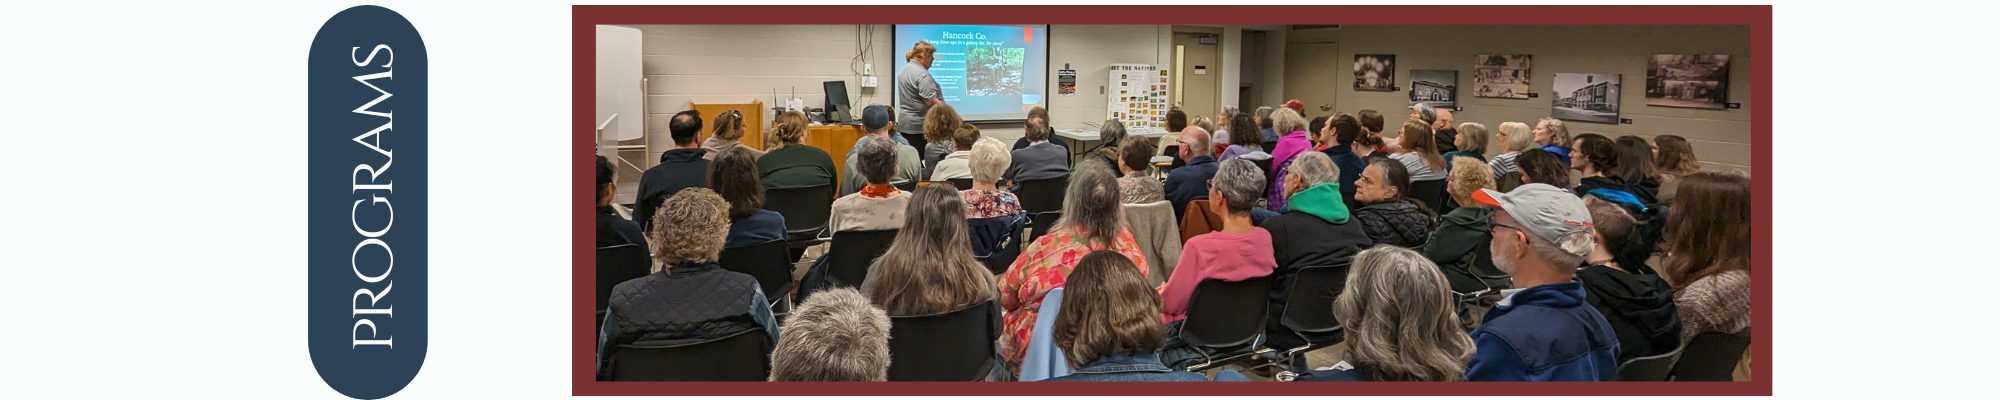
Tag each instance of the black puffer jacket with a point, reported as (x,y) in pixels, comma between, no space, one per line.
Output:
(1640,308)
(1398,223)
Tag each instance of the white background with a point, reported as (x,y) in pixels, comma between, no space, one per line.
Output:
(152,236)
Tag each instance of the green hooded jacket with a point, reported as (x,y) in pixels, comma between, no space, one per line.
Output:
(1452,245)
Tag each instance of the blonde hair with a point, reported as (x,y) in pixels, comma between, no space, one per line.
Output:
(690,227)
(1519,137)
(1206,125)
(1475,135)
(1285,121)
(1468,175)
(729,125)
(791,128)
(922,48)
(1400,318)
(1558,133)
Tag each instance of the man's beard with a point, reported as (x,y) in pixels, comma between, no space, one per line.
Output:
(1503,256)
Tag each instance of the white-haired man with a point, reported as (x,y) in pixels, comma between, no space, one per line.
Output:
(1544,331)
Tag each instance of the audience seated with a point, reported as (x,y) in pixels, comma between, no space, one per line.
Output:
(1635,169)
(1109,137)
(1460,231)
(1039,117)
(1318,129)
(688,296)
(1673,158)
(1594,156)
(957,165)
(1543,331)
(1709,259)
(1371,123)
(1266,128)
(682,167)
(1206,125)
(728,135)
(1176,119)
(1342,131)
(909,166)
(1553,137)
(1244,138)
(1109,330)
(876,206)
(1400,321)
(1541,166)
(992,213)
(795,165)
(1315,231)
(1513,139)
(929,269)
(1295,141)
(612,230)
(835,336)
(1220,131)
(1239,251)
(1135,157)
(1190,181)
(1470,142)
(1447,137)
(1091,221)
(1040,160)
(1387,214)
(734,177)
(940,125)
(1638,304)
(1416,148)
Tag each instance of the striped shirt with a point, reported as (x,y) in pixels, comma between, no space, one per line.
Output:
(1420,170)
(1504,163)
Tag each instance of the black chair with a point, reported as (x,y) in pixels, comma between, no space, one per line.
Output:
(954,346)
(1040,224)
(961,183)
(744,356)
(1431,193)
(853,252)
(1309,309)
(1482,263)
(1269,147)
(1223,315)
(1265,166)
(617,264)
(1654,368)
(767,262)
(806,212)
(1042,199)
(1711,356)
(910,186)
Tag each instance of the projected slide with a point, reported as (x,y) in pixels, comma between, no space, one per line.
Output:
(986,72)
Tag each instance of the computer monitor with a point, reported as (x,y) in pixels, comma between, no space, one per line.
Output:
(837,110)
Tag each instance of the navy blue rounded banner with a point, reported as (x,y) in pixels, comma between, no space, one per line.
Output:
(367,202)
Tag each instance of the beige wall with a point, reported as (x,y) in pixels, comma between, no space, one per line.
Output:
(1721,138)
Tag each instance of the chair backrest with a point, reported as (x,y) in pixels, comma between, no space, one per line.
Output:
(1269,147)
(1309,302)
(617,264)
(1431,193)
(961,183)
(744,356)
(1482,260)
(1224,314)
(953,346)
(910,186)
(1711,356)
(1042,223)
(1654,368)
(768,262)
(806,209)
(1042,195)
(853,251)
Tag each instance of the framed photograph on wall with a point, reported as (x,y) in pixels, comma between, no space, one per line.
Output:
(1586,97)
(1436,87)
(1501,75)
(1688,80)
(1375,72)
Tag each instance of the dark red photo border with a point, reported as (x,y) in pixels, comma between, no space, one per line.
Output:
(583,82)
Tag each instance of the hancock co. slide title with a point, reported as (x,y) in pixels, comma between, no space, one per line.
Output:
(367,202)
(967,36)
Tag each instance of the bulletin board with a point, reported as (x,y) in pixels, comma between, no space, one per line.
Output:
(1138,97)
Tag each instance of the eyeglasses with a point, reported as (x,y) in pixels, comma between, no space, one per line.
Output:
(1509,226)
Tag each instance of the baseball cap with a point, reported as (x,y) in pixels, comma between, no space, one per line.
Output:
(1545,211)
(1295,105)
(875,116)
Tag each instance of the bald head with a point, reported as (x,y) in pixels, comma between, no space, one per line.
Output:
(1194,142)
(1443,120)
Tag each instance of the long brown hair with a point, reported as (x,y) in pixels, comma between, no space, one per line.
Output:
(1676,156)
(733,175)
(1634,160)
(1417,138)
(1708,231)
(929,268)
(1108,307)
(1243,131)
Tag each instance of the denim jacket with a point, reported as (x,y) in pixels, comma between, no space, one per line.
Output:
(1126,367)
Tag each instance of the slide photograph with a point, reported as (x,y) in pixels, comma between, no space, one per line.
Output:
(986,72)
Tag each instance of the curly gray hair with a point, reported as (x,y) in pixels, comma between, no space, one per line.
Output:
(835,336)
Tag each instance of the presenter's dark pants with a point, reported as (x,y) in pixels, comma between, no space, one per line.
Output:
(916,141)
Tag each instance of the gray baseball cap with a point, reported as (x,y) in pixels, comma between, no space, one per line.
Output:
(1543,210)
(875,116)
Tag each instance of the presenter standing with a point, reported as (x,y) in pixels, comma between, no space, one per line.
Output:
(916,93)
